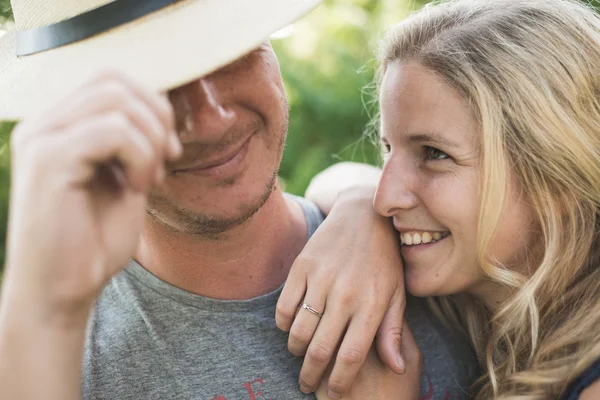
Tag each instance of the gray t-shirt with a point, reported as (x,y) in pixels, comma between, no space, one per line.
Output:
(150,340)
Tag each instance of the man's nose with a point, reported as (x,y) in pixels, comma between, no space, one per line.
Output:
(200,111)
(395,191)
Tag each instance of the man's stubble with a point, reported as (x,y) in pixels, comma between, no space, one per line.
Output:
(214,227)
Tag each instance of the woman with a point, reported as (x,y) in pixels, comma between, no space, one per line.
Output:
(490,126)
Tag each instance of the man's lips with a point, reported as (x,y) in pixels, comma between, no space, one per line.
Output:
(215,161)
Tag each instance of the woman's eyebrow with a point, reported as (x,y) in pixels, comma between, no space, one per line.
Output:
(430,138)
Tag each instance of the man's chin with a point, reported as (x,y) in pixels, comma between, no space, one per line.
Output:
(205,223)
(213,226)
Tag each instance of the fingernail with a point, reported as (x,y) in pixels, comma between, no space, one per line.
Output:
(305,390)
(333,395)
(400,360)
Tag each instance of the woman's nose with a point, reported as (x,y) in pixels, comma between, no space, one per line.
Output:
(395,191)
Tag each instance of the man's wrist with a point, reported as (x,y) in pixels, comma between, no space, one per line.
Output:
(40,346)
(26,308)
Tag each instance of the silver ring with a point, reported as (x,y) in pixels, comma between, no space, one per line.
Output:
(311,310)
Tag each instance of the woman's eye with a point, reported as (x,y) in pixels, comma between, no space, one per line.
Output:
(434,154)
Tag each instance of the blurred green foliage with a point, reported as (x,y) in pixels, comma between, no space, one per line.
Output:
(327,64)
(5,129)
(5,12)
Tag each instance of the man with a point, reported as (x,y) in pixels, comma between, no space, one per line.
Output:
(184,183)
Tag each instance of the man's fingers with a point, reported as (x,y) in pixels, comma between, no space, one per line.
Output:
(389,336)
(291,297)
(352,353)
(322,348)
(113,138)
(161,108)
(158,102)
(110,90)
(146,121)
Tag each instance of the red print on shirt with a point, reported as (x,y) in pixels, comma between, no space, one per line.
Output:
(253,389)
(429,394)
(250,388)
(255,392)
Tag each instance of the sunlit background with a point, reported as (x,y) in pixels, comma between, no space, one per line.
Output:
(327,61)
(328,66)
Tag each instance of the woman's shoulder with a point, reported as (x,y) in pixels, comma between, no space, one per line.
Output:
(586,386)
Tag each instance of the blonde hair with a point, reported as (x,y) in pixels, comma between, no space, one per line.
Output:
(529,71)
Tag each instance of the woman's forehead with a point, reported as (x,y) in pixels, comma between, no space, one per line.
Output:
(416,100)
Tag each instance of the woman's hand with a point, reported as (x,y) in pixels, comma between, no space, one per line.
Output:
(351,272)
(376,382)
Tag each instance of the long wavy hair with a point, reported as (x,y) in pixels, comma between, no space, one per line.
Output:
(529,70)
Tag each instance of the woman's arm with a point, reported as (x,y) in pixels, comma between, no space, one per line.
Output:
(325,187)
(351,271)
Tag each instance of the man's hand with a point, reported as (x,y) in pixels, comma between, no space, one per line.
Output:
(80,176)
(351,272)
(376,382)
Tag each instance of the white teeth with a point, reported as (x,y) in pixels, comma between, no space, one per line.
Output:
(426,238)
(420,237)
(416,238)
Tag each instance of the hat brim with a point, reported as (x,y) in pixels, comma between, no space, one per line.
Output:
(163,50)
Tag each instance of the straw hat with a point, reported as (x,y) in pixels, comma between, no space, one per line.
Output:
(161,43)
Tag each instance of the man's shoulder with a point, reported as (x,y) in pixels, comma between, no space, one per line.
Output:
(145,344)
(313,215)
(430,330)
(449,362)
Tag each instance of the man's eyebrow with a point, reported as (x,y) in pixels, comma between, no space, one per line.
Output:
(430,138)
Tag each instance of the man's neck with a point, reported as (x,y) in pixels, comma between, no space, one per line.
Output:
(253,259)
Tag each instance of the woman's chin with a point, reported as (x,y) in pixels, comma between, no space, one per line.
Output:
(427,283)
(420,289)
